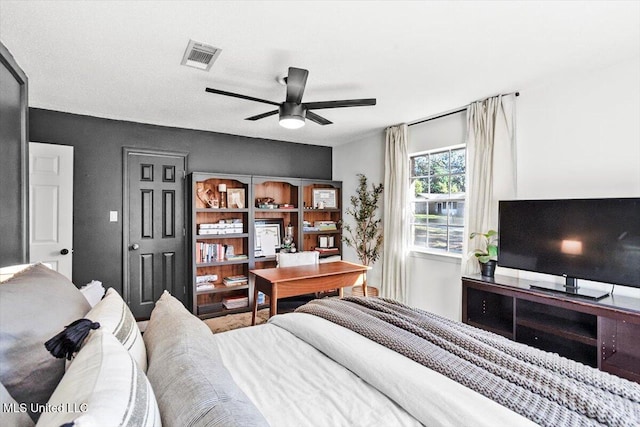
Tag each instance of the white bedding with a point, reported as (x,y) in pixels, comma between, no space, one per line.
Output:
(293,384)
(300,369)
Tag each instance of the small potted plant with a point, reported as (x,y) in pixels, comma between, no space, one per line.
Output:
(487,257)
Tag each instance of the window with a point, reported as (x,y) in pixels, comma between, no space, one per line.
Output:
(438,200)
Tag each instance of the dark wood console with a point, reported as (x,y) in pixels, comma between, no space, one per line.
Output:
(604,334)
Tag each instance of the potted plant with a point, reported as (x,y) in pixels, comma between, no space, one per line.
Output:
(488,256)
(366,236)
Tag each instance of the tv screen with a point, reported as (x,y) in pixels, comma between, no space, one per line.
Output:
(591,239)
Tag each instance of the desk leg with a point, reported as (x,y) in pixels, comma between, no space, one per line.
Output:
(364,284)
(340,293)
(254,312)
(273,306)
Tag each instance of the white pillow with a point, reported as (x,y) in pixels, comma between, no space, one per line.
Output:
(114,315)
(104,386)
(93,292)
(9,271)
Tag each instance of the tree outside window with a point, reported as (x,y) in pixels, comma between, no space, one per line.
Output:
(437,200)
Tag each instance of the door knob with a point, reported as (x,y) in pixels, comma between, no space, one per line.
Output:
(64,251)
(135,247)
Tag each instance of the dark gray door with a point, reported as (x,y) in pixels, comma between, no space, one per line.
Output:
(14,176)
(154,238)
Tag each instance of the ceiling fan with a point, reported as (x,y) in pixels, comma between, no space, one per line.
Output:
(293,111)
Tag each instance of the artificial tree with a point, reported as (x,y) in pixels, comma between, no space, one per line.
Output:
(365,237)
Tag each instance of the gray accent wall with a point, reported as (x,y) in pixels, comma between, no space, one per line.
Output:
(98,144)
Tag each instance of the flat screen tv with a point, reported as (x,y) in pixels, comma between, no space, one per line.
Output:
(591,239)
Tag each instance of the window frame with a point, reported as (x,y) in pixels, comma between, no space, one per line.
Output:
(412,199)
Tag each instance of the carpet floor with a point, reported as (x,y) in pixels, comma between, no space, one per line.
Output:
(241,320)
(235,321)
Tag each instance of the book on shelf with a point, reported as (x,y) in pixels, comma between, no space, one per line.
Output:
(209,252)
(208,225)
(206,278)
(235,302)
(208,286)
(215,252)
(308,226)
(325,225)
(228,226)
(234,283)
(236,280)
(326,251)
(236,277)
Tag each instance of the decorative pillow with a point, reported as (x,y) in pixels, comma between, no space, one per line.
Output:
(35,304)
(11,412)
(185,365)
(103,384)
(9,271)
(114,315)
(93,292)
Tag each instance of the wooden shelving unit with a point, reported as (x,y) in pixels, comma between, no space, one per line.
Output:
(202,186)
(314,213)
(603,334)
(283,191)
(291,195)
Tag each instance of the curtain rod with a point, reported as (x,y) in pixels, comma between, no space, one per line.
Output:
(459,110)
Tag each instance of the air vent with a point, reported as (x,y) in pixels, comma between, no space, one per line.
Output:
(200,55)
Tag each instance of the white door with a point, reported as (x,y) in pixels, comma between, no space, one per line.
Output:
(51,205)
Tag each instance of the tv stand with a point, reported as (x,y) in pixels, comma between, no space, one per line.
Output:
(571,287)
(600,333)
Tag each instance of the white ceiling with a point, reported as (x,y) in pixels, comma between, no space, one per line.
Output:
(121,60)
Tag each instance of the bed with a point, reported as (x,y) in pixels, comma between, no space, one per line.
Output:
(351,362)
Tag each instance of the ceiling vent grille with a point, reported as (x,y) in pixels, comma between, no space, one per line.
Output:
(200,55)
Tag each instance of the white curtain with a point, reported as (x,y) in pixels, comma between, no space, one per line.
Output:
(491,168)
(395,220)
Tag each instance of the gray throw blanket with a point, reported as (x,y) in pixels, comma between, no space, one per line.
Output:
(544,387)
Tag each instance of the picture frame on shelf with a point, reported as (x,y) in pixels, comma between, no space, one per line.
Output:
(268,236)
(235,198)
(325,198)
(207,196)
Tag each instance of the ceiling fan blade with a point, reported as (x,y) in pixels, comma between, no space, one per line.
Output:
(296,82)
(340,104)
(262,116)
(317,119)
(237,95)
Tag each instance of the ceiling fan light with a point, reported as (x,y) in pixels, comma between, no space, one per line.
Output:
(292,122)
(292,115)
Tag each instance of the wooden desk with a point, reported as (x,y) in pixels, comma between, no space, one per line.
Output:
(304,279)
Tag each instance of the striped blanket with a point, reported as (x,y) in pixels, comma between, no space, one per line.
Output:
(544,387)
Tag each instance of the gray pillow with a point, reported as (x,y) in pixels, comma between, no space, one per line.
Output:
(12,413)
(185,369)
(35,304)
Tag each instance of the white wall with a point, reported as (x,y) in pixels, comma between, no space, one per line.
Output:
(578,136)
(434,280)
(365,156)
